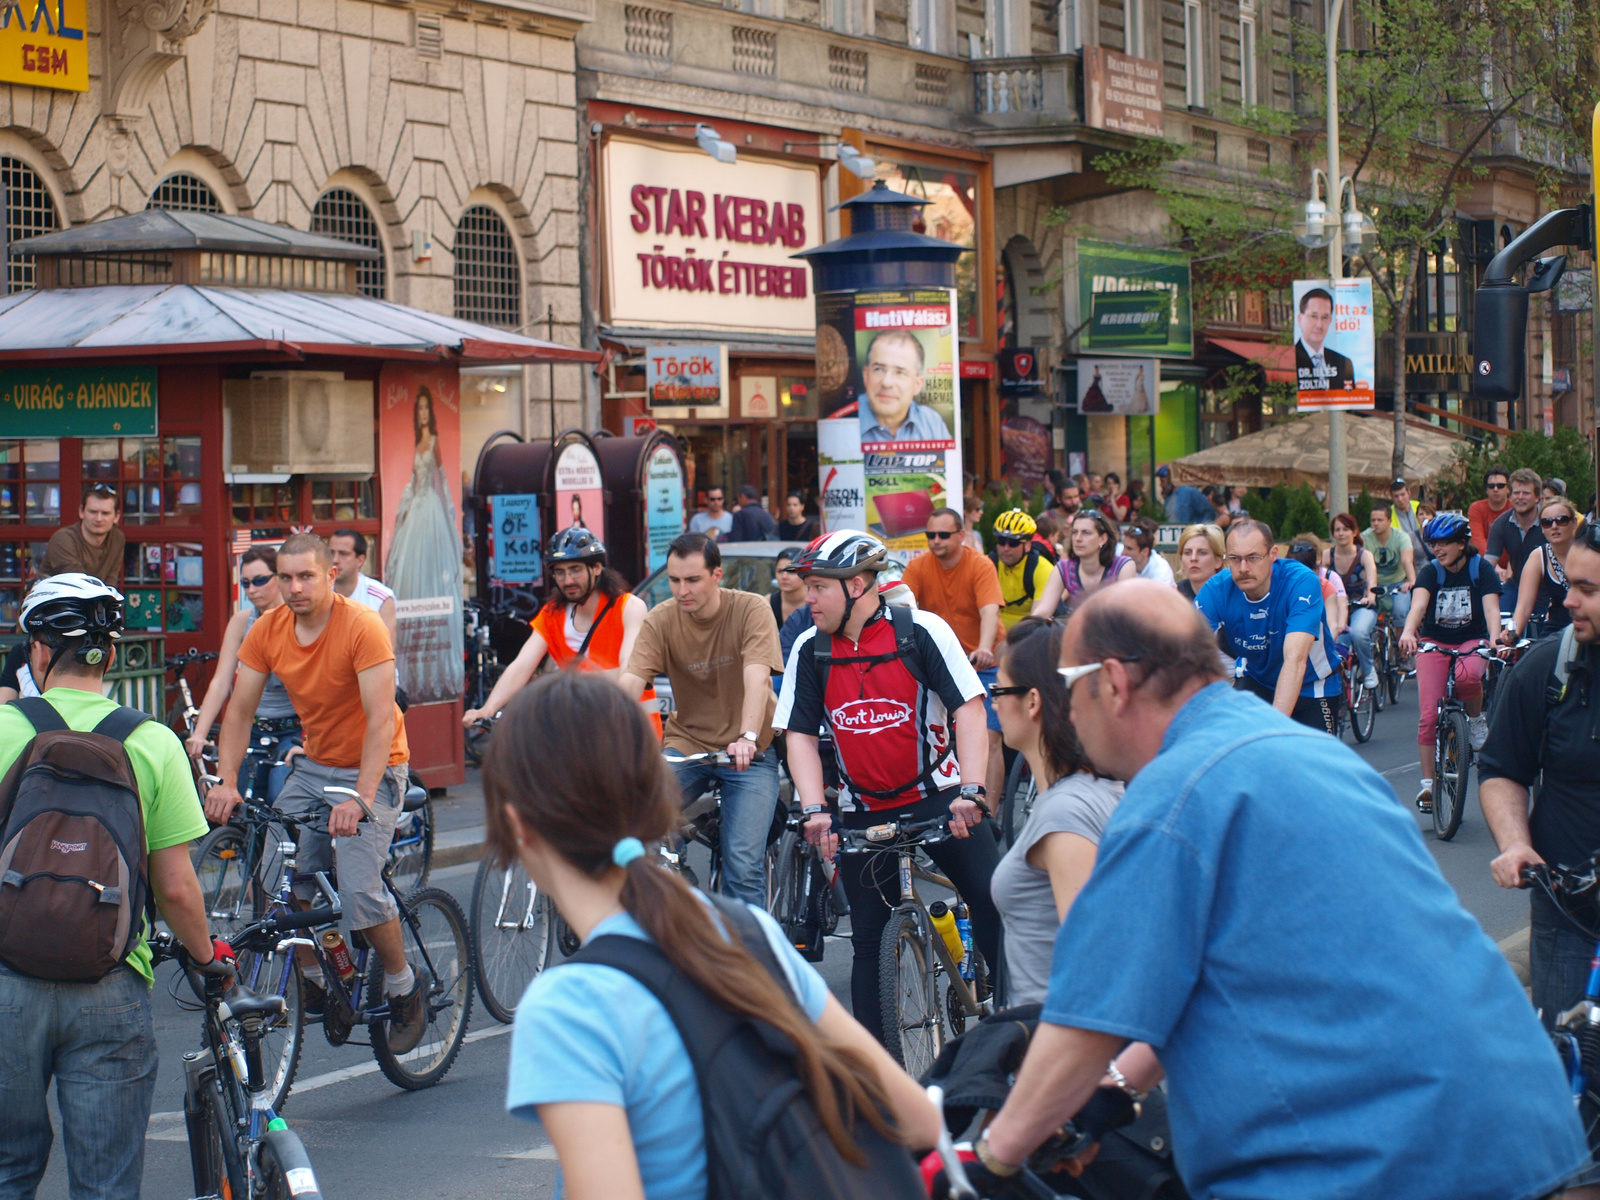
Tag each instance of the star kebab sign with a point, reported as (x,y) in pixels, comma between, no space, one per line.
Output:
(692,243)
(43,43)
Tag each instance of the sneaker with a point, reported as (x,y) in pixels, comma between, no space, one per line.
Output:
(1477,732)
(313,997)
(1425,798)
(408,1016)
(1371,681)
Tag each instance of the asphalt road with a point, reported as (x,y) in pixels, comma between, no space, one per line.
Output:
(370,1141)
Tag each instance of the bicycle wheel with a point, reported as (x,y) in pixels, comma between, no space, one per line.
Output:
(285,1167)
(1394,674)
(1452,758)
(1363,713)
(229,883)
(786,865)
(411,850)
(214,1157)
(913,1032)
(513,936)
(440,952)
(281,1040)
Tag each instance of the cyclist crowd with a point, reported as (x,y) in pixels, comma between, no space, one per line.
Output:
(1174,725)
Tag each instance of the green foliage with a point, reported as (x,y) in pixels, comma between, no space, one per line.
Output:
(1153,508)
(1001,497)
(1292,510)
(1565,455)
(1361,509)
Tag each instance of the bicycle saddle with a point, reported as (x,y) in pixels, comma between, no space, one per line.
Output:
(243,1003)
(416,797)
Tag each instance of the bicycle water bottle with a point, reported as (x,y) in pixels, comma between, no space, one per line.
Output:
(964,928)
(339,954)
(939,914)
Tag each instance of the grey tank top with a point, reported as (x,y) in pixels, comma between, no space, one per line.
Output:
(275,703)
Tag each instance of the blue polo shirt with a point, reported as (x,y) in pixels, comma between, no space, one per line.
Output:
(1293,604)
(1332,1022)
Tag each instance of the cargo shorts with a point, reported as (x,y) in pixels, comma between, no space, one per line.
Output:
(360,859)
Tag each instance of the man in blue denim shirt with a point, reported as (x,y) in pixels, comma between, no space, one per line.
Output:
(1263,912)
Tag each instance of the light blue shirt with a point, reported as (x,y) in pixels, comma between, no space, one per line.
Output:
(922,424)
(1332,1022)
(587,1033)
(704,522)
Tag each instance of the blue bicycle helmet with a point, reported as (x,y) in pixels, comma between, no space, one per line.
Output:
(1447,527)
(576,544)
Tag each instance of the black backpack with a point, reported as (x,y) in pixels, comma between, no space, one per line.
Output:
(764,1140)
(905,651)
(74,869)
(1030,565)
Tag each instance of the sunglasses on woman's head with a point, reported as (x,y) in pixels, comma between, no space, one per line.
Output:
(1563,520)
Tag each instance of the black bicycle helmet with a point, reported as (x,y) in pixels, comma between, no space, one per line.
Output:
(576,544)
(76,612)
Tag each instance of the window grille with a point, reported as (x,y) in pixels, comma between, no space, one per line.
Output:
(488,281)
(430,36)
(341,214)
(184,193)
(29,212)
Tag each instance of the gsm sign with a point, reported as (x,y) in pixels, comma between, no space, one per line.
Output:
(44,59)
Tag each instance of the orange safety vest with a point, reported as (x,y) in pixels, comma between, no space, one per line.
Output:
(605,647)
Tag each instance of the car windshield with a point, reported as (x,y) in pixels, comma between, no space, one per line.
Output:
(744,574)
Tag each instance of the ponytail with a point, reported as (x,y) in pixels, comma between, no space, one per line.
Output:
(601,796)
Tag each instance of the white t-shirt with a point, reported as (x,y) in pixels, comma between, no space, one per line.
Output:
(1159,569)
(370,592)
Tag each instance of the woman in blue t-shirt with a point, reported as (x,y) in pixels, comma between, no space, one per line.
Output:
(595,1057)
(1455,603)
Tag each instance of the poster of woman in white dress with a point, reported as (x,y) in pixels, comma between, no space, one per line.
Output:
(423,565)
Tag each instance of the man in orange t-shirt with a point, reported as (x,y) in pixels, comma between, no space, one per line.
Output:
(337,664)
(957,583)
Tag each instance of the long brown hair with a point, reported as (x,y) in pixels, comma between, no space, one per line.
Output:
(597,798)
(1103,526)
(1029,656)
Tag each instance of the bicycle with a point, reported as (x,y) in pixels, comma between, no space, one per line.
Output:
(1386,658)
(411,848)
(482,670)
(803,899)
(908,975)
(1577,1031)
(1360,702)
(1452,745)
(238,1145)
(515,931)
(438,948)
(702,824)
(1017,801)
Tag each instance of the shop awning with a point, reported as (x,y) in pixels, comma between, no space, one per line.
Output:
(1277,360)
(143,320)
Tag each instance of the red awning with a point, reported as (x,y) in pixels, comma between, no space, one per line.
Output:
(1278,360)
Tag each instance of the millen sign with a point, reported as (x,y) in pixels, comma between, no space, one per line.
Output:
(692,243)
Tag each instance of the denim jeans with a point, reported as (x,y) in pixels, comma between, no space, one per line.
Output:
(749,799)
(1558,960)
(98,1041)
(1362,622)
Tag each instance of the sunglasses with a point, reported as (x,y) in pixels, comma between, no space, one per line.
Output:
(1552,522)
(1496,487)
(1015,690)
(1001,540)
(1071,675)
(255,581)
(942,534)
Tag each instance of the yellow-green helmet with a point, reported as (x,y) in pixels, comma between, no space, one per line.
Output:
(1015,523)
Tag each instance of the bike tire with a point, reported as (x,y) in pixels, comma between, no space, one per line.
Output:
(513,936)
(433,927)
(1394,678)
(1363,713)
(913,1030)
(229,881)
(411,862)
(286,1170)
(1452,765)
(205,1147)
(785,888)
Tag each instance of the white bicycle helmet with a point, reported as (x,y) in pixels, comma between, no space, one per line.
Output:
(76,612)
(842,555)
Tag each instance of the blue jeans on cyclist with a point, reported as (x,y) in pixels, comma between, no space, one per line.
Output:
(749,799)
(872,885)
(98,1041)
(1359,636)
(1559,956)
(263,779)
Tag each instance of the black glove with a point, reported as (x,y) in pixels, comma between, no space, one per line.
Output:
(211,981)
(1109,1108)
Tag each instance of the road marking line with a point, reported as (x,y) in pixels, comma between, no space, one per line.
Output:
(1398,770)
(544,1153)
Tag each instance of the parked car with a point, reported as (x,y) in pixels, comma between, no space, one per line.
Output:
(746,567)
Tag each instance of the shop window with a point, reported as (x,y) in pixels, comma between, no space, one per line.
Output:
(30,482)
(159,478)
(797,398)
(29,212)
(184,193)
(341,214)
(951,214)
(488,281)
(162,584)
(264,504)
(339,501)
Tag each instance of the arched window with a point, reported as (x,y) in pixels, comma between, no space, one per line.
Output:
(341,214)
(29,212)
(488,283)
(184,193)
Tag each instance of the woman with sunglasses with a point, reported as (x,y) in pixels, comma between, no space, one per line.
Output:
(275,715)
(1091,562)
(1542,590)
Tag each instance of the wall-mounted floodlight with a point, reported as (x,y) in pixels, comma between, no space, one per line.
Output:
(711,142)
(857,163)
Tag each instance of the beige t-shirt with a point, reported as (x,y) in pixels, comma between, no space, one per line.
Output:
(705,661)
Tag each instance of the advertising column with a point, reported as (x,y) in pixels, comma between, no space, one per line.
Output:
(888,448)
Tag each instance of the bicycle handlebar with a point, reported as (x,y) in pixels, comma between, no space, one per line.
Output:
(878,837)
(1435,648)
(718,758)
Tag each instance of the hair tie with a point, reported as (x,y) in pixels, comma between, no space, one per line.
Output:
(625,851)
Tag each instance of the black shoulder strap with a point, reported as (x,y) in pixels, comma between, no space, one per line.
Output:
(121,722)
(594,625)
(1028,568)
(822,659)
(41,714)
(905,642)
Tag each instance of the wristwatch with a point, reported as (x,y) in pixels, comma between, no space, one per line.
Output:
(1114,1072)
(751,736)
(977,793)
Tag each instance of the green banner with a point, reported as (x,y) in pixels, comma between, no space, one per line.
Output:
(56,402)
(1136,301)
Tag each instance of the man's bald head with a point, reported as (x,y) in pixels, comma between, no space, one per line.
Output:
(1151,624)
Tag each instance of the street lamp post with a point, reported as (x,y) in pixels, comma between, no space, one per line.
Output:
(1338,469)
